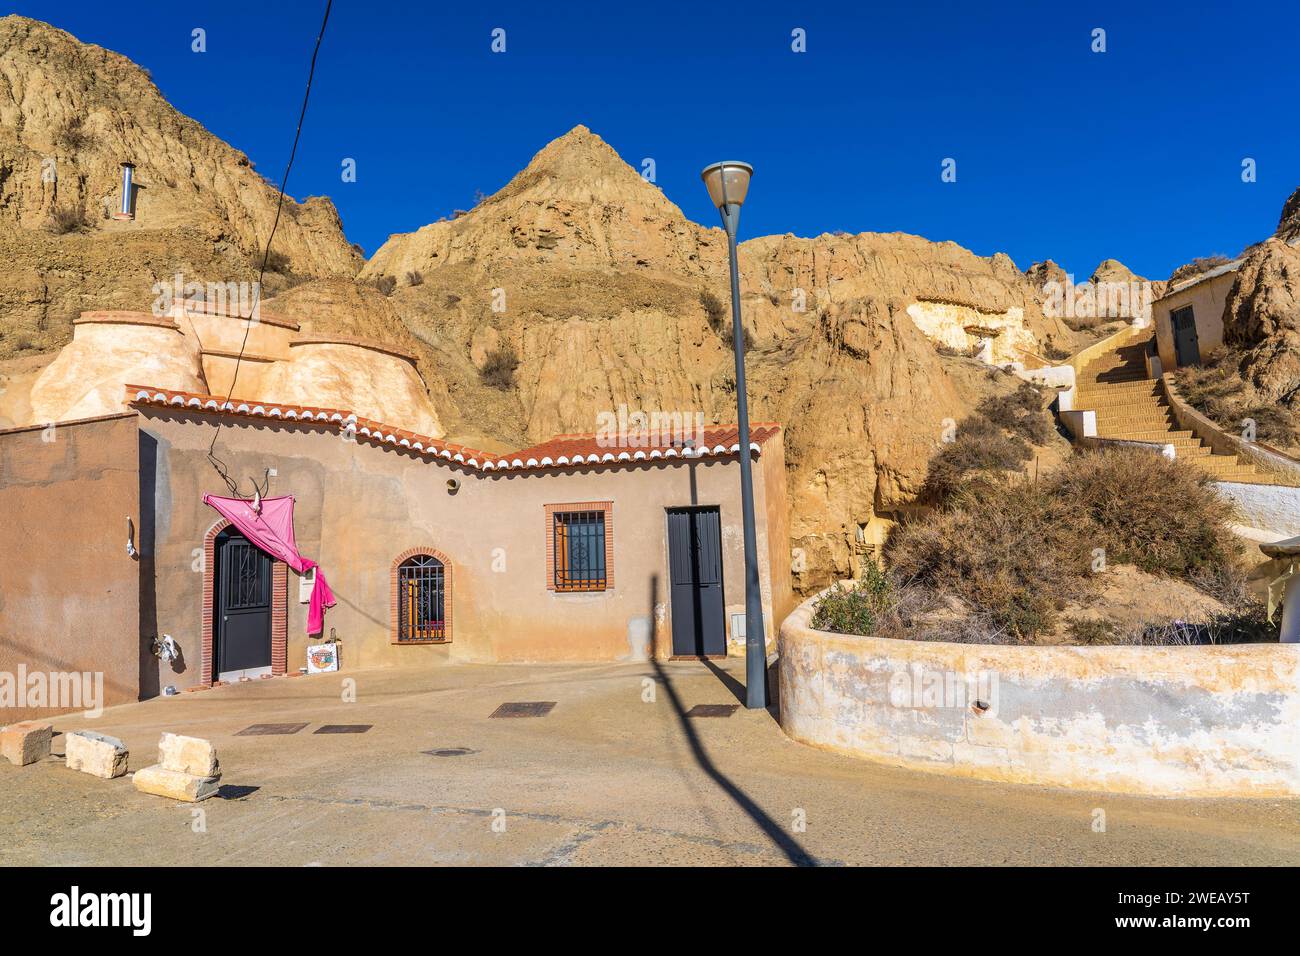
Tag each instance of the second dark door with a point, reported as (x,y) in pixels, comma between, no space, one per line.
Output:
(1187,345)
(695,572)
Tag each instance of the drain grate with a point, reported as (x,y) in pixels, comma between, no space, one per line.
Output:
(342,728)
(268,730)
(712,710)
(524,708)
(450,752)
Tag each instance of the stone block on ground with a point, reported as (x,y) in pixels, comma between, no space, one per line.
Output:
(26,742)
(96,754)
(175,785)
(188,755)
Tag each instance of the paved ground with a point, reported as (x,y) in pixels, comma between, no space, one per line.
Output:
(606,778)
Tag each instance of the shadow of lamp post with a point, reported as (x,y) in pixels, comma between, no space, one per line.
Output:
(728,183)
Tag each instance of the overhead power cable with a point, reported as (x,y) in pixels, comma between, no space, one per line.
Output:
(217,463)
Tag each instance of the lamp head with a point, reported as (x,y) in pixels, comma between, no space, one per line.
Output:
(727,182)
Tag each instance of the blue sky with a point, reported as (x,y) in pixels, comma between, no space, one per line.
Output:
(1135,153)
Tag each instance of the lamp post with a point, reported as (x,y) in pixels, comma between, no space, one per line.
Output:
(728,183)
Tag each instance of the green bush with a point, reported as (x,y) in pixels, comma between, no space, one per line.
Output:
(859,608)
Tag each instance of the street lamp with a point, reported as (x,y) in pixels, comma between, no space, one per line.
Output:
(728,184)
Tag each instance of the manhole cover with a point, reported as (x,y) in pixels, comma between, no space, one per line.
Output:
(342,729)
(450,752)
(267,730)
(524,708)
(712,710)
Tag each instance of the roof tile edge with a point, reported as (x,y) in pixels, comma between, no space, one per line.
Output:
(384,434)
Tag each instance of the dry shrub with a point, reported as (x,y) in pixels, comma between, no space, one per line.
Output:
(415,277)
(277,262)
(1148,511)
(1196,267)
(949,351)
(1021,412)
(1018,551)
(981,453)
(1218,389)
(991,442)
(73,135)
(1085,323)
(67,219)
(499,368)
(714,308)
(1008,550)
(386,284)
(877,604)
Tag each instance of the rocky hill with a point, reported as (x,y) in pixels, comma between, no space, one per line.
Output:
(607,295)
(1288,227)
(70,114)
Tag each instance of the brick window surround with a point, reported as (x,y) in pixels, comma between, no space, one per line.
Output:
(447,592)
(607,507)
(279,609)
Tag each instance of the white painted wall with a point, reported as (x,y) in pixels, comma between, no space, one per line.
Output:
(1272,508)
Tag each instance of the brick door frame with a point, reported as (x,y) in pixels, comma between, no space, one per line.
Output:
(279,609)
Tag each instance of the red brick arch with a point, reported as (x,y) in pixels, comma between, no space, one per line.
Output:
(448,591)
(279,608)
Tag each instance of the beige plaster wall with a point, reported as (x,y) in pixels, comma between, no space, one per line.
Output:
(359,506)
(69,592)
(86,378)
(1207,300)
(371,383)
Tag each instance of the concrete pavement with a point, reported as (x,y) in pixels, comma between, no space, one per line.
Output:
(615,774)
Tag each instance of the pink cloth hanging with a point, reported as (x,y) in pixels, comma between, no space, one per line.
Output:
(272,531)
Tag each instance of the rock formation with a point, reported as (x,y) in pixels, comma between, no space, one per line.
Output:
(1288,227)
(608,295)
(70,114)
(1262,316)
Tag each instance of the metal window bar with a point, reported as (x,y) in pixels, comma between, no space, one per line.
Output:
(245,574)
(580,551)
(421,601)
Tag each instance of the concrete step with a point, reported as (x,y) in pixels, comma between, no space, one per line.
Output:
(1117,401)
(1222,466)
(1140,386)
(1091,398)
(1149,423)
(1109,367)
(1180,439)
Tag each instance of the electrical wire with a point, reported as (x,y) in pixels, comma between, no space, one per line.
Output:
(216,462)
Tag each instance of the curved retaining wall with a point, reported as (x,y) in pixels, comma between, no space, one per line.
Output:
(1164,721)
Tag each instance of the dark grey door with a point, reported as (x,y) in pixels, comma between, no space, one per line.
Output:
(695,571)
(243,604)
(1187,346)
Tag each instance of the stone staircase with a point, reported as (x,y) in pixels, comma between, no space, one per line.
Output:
(1131,407)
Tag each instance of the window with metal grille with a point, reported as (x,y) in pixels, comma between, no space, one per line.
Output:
(248,576)
(579,542)
(421,600)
